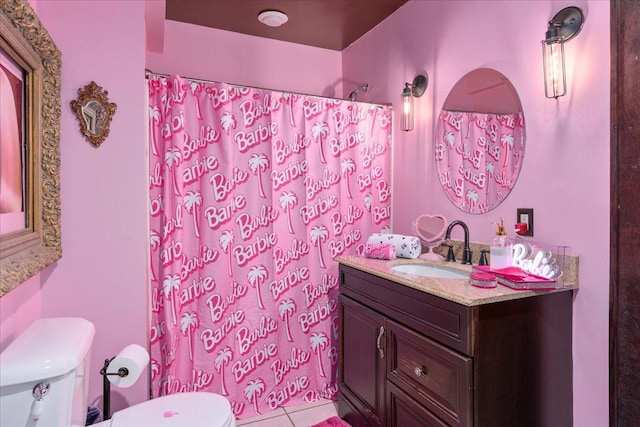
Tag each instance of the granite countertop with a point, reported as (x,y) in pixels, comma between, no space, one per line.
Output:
(456,290)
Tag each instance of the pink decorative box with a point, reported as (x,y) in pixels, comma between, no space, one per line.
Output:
(516,278)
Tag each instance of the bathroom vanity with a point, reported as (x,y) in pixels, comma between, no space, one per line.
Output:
(420,351)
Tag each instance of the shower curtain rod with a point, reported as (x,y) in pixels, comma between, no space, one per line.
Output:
(478,112)
(148,73)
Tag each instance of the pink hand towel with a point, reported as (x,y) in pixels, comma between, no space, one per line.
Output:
(380,250)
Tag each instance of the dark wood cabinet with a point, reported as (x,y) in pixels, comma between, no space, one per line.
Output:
(409,358)
(363,333)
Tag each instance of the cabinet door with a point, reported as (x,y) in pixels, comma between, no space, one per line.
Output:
(403,411)
(362,359)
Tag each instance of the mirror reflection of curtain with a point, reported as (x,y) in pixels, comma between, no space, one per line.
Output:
(252,194)
(10,144)
(478,156)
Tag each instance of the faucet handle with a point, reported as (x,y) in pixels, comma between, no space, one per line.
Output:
(450,256)
(483,257)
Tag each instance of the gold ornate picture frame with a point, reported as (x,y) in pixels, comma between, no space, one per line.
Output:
(26,251)
(94,112)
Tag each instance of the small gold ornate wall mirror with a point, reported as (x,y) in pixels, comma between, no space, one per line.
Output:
(94,112)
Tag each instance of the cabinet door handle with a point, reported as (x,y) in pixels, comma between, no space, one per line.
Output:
(419,371)
(378,344)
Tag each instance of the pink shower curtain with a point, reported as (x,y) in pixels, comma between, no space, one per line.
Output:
(252,194)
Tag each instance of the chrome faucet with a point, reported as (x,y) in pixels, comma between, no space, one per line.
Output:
(466,254)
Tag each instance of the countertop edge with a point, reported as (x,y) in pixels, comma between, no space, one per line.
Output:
(455,290)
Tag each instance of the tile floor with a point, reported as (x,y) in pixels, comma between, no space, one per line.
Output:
(294,416)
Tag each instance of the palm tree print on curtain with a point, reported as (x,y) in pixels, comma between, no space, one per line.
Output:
(253,193)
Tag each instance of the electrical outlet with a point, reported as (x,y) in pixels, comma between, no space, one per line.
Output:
(526,216)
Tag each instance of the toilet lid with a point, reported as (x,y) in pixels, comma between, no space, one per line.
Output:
(194,409)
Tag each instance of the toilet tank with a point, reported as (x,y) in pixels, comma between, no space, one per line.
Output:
(55,350)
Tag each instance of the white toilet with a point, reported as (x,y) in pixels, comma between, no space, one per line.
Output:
(56,352)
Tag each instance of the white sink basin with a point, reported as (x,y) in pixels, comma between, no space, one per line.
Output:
(430,271)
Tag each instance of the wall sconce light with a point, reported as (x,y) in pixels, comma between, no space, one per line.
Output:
(564,26)
(410,91)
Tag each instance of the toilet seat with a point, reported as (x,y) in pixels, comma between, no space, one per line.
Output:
(193,409)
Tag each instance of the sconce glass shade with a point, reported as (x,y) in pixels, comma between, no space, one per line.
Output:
(407,109)
(564,26)
(555,80)
(410,91)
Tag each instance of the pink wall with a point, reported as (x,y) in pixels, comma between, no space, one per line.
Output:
(18,309)
(154,11)
(224,56)
(565,176)
(102,275)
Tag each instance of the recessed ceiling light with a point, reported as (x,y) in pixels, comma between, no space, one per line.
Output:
(272,18)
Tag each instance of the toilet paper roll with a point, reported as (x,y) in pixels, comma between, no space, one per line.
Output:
(134,358)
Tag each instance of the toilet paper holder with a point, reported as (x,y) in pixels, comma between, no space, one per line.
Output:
(106,386)
(130,363)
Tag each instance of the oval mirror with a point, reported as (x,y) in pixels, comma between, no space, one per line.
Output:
(480,141)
